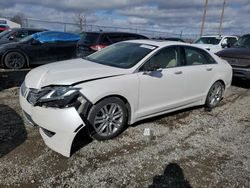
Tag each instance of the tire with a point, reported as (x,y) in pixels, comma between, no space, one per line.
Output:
(214,95)
(107,118)
(14,60)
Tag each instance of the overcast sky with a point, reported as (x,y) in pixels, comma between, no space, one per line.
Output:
(168,15)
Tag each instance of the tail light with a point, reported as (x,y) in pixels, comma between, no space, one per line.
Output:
(97,47)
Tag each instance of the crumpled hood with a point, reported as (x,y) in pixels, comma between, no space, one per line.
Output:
(238,53)
(69,72)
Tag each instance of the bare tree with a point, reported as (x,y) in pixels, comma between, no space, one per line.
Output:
(80,19)
(18,18)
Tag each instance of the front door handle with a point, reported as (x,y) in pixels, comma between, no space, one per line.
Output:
(209,69)
(178,72)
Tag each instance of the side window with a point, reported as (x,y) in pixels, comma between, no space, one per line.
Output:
(165,58)
(194,56)
(128,37)
(32,32)
(21,34)
(105,40)
(209,58)
(116,38)
(231,41)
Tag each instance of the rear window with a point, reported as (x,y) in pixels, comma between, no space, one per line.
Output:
(89,38)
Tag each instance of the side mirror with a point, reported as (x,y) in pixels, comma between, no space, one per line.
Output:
(35,42)
(11,38)
(155,68)
(149,69)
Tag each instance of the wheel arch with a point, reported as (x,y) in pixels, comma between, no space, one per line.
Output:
(124,99)
(221,81)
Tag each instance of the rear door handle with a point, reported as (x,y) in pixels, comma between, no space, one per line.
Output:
(178,72)
(209,69)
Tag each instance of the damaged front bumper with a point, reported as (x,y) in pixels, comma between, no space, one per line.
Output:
(58,127)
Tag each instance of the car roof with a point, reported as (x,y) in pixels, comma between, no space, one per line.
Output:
(159,43)
(219,36)
(164,43)
(112,32)
(30,29)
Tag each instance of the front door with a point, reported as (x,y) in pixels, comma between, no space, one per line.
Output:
(161,89)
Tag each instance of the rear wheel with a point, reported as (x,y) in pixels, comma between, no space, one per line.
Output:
(214,95)
(14,60)
(107,118)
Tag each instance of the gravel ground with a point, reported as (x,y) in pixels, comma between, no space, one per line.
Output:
(190,148)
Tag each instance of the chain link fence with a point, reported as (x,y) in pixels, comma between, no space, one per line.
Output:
(75,28)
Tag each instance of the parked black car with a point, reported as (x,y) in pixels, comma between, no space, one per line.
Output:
(39,48)
(239,57)
(94,41)
(16,34)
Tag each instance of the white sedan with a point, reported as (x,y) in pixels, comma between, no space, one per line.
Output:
(120,85)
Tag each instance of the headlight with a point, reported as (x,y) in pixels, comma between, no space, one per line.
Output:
(59,97)
(58,93)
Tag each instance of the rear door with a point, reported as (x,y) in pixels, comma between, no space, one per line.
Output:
(198,69)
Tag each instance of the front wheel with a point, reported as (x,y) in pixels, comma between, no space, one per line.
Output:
(107,118)
(14,60)
(214,95)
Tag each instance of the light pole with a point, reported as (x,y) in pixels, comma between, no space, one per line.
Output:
(221,17)
(203,18)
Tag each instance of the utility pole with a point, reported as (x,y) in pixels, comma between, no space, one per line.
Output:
(203,18)
(221,17)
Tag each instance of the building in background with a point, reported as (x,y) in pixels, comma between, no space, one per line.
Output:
(4,21)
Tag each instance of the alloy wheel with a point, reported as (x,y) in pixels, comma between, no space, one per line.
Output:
(215,94)
(14,60)
(109,119)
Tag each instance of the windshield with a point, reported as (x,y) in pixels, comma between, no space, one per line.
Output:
(121,55)
(88,38)
(208,40)
(243,42)
(6,32)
